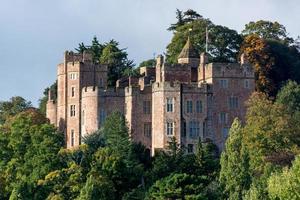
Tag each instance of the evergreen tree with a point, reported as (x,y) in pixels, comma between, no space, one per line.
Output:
(117,61)
(235,175)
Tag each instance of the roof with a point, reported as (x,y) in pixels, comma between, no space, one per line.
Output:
(188,50)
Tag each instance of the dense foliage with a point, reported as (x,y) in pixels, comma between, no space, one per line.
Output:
(224,43)
(110,54)
(12,107)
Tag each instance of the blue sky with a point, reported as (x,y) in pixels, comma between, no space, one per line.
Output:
(34,33)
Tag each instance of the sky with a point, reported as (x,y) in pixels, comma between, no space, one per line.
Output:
(34,34)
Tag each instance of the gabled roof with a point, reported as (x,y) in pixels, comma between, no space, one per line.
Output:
(188,50)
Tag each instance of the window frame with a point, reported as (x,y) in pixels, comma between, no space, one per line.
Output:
(170,129)
(194,129)
(199,106)
(72,110)
(189,106)
(170,104)
(147,107)
(72,138)
(148,129)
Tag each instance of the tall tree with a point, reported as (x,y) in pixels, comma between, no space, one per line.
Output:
(117,61)
(235,174)
(224,43)
(267,30)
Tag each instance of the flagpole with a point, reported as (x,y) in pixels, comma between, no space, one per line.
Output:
(206,40)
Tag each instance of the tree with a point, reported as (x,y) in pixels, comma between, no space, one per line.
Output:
(64,183)
(12,107)
(117,161)
(117,61)
(30,145)
(274,55)
(271,134)
(81,48)
(235,174)
(223,46)
(258,53)
(289,96)
(96,48)
(148,63)
(97,187)
(179,186)
(180,21)
(267,30)
(285,184)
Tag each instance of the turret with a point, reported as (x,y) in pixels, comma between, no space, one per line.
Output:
(188,55)
(51,112)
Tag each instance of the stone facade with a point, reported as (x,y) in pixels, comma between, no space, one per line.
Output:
(188,100)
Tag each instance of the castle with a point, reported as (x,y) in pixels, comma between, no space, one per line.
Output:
(187,100)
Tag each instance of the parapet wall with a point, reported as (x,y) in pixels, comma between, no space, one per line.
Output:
(70,56)
(231,70)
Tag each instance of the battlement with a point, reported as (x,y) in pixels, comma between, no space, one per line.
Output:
(70,56)
(175,67)
(95,91)
(231,70)
(161,86)
(90,91)
(197,88)
(134,90)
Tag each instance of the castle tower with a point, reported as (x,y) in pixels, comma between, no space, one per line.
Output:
(76,72)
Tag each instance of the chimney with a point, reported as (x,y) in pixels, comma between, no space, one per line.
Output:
(203,62)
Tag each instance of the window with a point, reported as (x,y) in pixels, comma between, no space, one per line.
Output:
(147,107)
(72,110)
(189,106)
(169,104)
(233,102)
(223,83)
(102,116)
(194,127)
(72,138)
(198,106)
(147,129)
(225,132)
(190,148)
(223,118)
(73,91)
(170,128)
(246,84)
(73,76)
